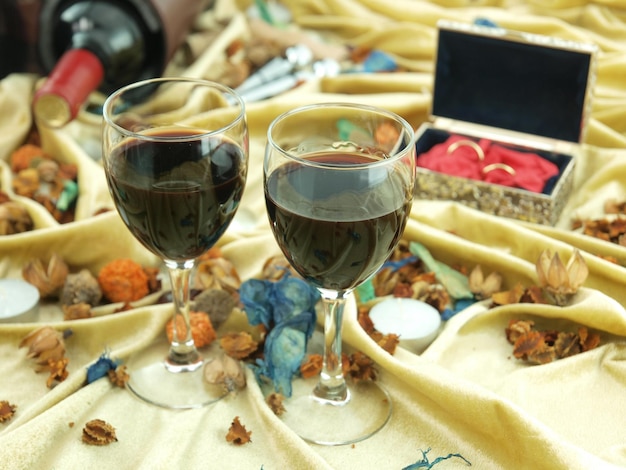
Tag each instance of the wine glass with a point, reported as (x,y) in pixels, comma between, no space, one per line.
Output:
(175,153)
(338,181)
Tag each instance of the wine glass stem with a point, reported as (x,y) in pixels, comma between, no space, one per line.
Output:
(332,384)
(183,355)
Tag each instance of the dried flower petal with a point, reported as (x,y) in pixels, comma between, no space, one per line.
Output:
(237,433)
(7,410)
(98,433)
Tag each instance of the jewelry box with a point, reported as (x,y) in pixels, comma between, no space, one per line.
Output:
(508,115)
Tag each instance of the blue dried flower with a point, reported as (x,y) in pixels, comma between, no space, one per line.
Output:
(287,309)
(101,367)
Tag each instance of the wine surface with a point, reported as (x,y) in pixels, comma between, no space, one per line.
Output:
(337,227)
(177,198)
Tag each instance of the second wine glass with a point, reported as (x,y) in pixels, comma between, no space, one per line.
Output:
(338,182)
(175,154)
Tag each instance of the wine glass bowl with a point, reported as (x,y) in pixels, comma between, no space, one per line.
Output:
(338,181)
(175,156)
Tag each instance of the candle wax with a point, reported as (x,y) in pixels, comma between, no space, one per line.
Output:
(414,321)
(17,300)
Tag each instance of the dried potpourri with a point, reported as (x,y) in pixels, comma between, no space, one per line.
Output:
(237,433)
(612,230)
(286,310)
(14,218)
(226,371)
(58,371)
(213,271)
(557,283)
(123,280)
(45,344)
(275,402)
(7,410)
(542,347)
(98,432)
(47,276)
(561,281)
(239,345)
(202,330)
(118,376)
(53,184)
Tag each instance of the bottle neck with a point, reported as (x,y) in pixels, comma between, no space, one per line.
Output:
(77,73)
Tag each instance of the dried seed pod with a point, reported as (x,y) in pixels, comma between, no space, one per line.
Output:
(98,433)
(561,281)
(483,287)
(49,278)
(227,371)
(45,344)
(81,287)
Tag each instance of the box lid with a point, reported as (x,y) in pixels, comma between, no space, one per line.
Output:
(521,82)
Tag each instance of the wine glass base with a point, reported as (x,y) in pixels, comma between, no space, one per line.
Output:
(152,382)
(319,422)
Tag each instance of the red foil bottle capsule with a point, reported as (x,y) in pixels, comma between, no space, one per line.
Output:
(104,44)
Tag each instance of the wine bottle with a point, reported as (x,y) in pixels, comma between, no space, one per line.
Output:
(104,44)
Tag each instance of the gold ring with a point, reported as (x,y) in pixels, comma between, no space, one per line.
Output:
(499,166)
(469,143)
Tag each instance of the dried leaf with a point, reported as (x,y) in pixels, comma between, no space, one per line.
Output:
(98,433)
(7,410)
(237,433)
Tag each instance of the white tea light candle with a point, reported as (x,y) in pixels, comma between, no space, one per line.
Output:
(18,300)
(415,322)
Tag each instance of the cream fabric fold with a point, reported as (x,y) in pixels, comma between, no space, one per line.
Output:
(465,394)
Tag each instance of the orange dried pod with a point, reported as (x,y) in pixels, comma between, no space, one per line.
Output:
(123,280)
(202,330)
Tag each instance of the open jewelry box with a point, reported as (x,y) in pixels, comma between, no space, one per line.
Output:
(503,98)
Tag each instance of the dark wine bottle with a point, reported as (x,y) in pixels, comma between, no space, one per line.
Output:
(104,44)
